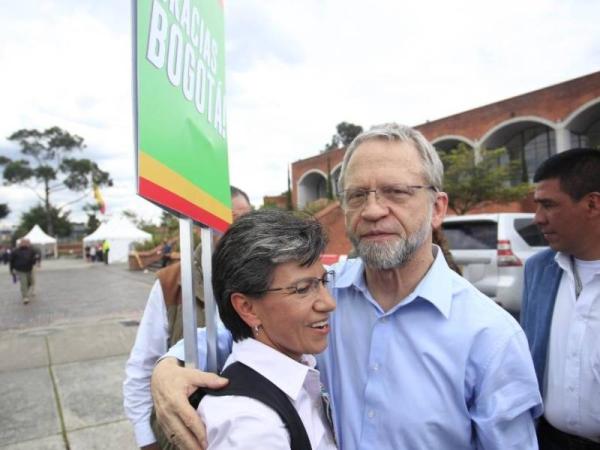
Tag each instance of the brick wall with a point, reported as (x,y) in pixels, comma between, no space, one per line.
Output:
(332,219)
(279,201)
(554,103)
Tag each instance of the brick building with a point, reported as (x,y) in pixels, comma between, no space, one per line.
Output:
(531,126)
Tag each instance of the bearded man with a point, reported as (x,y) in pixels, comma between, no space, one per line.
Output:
(417,357)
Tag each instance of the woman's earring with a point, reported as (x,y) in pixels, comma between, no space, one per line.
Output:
(257,329)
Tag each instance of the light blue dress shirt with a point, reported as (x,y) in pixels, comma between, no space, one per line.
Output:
(445,369)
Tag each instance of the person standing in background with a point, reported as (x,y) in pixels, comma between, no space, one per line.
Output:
(561,300)
(22,261)
(166,253)
(105,250)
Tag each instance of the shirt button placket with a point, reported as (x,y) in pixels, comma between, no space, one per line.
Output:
(572,368)
(373,390)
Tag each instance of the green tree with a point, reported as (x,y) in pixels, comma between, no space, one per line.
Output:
(333,144)
(138,221)
(4,210)
(155,230)
(345,134)
(471,183)
(92,209)
(169,223)
(168,228)
(131,215)
(37,216)
(46,167)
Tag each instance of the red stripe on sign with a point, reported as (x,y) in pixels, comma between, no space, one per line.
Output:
(162,196)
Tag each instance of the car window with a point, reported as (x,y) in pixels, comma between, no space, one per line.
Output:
(472,235)
(530,233)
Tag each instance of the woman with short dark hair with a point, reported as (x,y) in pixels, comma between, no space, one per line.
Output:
(269,286)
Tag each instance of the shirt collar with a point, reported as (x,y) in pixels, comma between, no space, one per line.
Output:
(281,370)
(348,273)
(435,287)
(564,261)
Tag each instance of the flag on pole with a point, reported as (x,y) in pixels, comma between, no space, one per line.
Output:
(99,199)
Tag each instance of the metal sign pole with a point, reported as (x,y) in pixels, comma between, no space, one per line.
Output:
(188,297)
(210,307)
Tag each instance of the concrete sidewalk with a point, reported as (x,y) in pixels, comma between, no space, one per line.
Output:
(61,379)
(61,388)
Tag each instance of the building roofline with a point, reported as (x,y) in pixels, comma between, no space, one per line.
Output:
(510,99)
(319,155)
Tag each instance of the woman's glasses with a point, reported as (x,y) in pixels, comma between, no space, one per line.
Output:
(306,286)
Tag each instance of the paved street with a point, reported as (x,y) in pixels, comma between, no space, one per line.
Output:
(62,356)
(71,290)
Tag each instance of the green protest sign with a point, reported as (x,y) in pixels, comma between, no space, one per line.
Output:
(179,86)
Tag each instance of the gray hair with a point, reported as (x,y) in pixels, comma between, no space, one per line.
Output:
(247,255)
(433,170)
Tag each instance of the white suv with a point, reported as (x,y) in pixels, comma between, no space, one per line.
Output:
(491,250)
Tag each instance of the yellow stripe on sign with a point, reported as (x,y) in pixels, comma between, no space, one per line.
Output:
(158,173)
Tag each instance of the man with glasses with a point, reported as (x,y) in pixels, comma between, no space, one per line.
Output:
(417,357)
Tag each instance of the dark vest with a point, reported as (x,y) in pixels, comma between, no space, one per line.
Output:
(246,382)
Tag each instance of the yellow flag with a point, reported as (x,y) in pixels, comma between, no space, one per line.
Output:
(99,199)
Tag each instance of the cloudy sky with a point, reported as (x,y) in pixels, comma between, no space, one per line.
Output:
(295,69)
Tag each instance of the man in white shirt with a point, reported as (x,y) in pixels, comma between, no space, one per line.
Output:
(561,300)
(161,327)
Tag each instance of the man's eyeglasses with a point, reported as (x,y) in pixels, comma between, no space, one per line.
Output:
(395,194)
(305,286)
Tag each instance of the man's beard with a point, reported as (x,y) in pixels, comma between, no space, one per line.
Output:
(389,255)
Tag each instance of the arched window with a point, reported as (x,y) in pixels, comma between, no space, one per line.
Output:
(527,145)
(312,186)
(585,127)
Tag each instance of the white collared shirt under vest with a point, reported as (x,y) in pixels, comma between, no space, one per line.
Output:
(572,379)
(237,422)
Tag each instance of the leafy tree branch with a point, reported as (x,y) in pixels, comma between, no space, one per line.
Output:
(48,161)
(471,182)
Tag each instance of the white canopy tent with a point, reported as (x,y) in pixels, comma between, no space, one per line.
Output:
(38,237)
(121,234)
